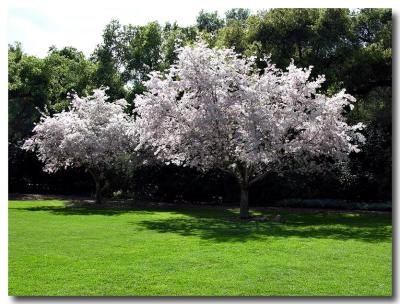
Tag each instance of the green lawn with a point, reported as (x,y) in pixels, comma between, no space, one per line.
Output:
(61,251)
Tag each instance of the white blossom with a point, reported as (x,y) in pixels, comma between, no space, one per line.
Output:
(93,133)
(215,109)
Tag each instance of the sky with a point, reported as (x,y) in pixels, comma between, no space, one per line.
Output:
(39,28)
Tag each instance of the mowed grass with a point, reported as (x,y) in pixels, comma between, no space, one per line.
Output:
(56,250)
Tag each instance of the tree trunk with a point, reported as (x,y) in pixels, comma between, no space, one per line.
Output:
(97,180)
(243,174)
(244,192)
(98,191)
(244,201)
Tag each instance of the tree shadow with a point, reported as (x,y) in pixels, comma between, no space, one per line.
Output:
(223,225)
(80,207)
(341,226)
(117,207)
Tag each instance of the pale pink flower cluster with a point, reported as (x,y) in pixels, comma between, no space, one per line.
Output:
(92,134)
(214,108)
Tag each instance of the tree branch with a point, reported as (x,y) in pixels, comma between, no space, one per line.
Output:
(258,178)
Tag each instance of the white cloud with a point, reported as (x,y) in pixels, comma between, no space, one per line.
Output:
(38,30)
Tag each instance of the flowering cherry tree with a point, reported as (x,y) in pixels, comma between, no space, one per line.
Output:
(93,134)
(214,108)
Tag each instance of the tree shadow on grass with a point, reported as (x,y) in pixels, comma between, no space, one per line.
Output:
(223,225)
(341,226)
(85,208)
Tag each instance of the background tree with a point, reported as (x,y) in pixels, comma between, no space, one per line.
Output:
(239,14)
(234,35)
(93,134)
(209,21)
(27,89)
(67,71)
(214,110)
(108,63)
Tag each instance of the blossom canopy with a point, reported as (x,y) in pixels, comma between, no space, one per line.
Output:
(92,134)
(214,108)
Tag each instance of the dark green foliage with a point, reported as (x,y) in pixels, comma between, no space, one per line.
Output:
(233,35)
(27,89)
(107,64)
(209,21)
(140,50)
(39,83)
(68,71)
(238,14)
